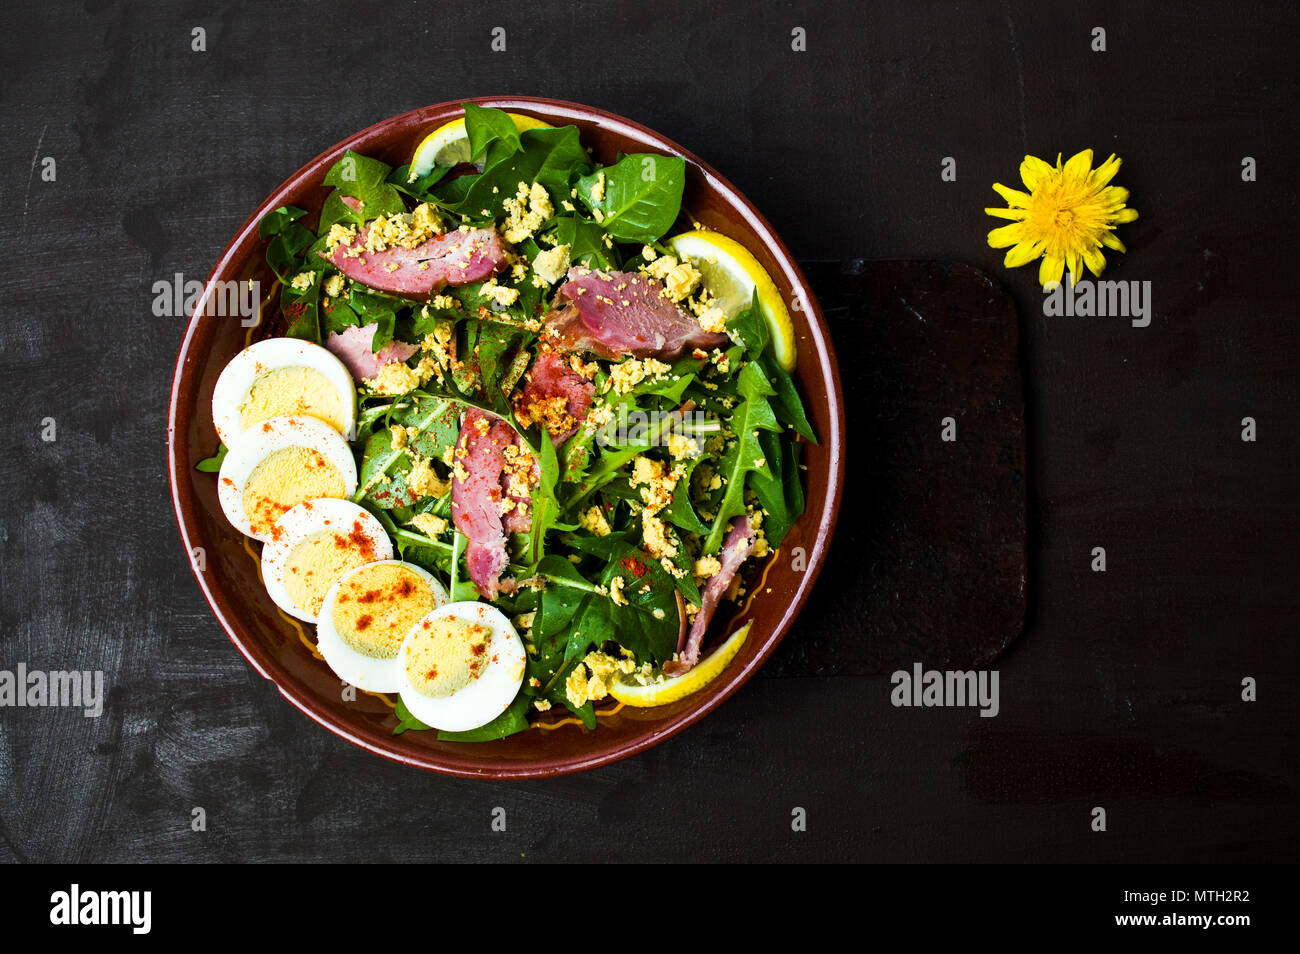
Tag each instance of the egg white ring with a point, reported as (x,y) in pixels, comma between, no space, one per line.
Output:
(310,517)
(261,441)
(262,357)
(365,672)
(487,696)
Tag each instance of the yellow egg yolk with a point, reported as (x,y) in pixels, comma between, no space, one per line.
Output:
(297,390)
(284,479)
(377,606)
(320,559)
(446,655)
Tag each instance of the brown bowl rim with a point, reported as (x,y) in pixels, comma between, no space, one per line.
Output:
(246,242)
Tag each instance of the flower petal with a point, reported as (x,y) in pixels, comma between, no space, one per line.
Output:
(1034,172)
(1014,197)
(1104,172)
(1110,241)
(1016,214)
(1023,254)
(1095,261)
(1079,165)
(1126,215)
(1113,196)
(1006,235)
(1049,273)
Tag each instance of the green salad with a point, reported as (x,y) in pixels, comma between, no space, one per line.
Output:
(571,403)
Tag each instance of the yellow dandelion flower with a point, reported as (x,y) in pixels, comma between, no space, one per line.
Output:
(1067,215)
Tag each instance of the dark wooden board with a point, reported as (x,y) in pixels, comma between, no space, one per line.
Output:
(935,527)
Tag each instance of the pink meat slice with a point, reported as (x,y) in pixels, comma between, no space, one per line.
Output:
(736,548)
(620,314)
(479,484)
(476,499)
(456,258)
(549,378)
(353,348)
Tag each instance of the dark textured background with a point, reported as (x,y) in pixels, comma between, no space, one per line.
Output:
(1123,691)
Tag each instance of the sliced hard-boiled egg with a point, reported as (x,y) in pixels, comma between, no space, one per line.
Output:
(279,377)
(313,545)
(461,666)
(276,465)
(366,615)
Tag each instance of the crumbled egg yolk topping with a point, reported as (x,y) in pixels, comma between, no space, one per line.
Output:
(656,482)
(397,377)
(552,413)
(593,519)
(679,278)
(377,606)
(582,687)
(424,481)
(503,295)
(628,374)
(404,230)
(431,525)
(526,212)
(550,265)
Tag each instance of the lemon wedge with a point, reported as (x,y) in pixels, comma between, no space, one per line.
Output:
(679,687)
(449,144)
(731,274)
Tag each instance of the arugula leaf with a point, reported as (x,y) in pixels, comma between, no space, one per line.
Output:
(405,720)
(338,316)
(366,179)
(302,312)
(436,418)
(586,242)
(751,327)
(372,309)
(493,341)
(450,194)
(333,210)
(420,187)
(679,511)
(647,622)
(547,156)
(546,509)
(278,220)
(564,593)
(383,476)
(787,405)
(429,436)
(745,454)
(779,492)
(642,196)
(685,583)
(485,125)
(592,627)
(211,465)
(284,251)
(415,547)
(460,589)
(601,547)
